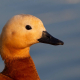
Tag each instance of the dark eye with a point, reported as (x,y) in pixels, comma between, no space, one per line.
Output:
(28,27)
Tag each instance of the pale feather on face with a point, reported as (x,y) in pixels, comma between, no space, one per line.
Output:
(15,35)
(22,31)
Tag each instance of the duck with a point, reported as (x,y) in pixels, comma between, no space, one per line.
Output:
(18,34)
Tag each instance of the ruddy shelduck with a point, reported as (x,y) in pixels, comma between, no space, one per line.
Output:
(18,34)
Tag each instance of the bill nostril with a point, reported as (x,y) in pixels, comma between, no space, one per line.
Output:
(48,37)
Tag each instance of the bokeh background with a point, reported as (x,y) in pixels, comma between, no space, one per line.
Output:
(61,18)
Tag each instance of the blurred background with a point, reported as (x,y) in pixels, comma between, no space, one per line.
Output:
(61,19)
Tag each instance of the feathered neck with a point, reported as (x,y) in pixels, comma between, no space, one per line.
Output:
(21,69)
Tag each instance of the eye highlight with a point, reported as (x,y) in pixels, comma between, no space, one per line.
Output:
(28,27)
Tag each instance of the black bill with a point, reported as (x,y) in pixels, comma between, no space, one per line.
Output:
(47,38)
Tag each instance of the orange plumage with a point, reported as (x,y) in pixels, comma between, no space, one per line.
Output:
(19,33)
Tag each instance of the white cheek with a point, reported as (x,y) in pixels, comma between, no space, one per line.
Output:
(43,29)
(39,33)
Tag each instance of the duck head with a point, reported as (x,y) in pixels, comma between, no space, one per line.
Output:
(22,31)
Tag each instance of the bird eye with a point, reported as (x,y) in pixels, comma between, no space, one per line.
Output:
(28,27)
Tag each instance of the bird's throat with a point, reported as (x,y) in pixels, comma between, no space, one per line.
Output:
(8,52)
